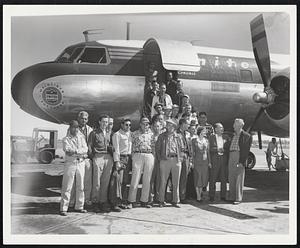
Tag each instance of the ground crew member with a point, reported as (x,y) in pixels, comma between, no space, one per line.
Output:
(142,162)
(122,144)
(271,150)
(76,150)
(98,143)
(168,147)
(171,86)
(239,150)
(219,150)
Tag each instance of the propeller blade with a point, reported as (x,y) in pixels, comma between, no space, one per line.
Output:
(260,48)
(259,140)
(255,119)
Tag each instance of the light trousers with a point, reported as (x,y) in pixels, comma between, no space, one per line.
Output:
(236,176)
(88,179)
(72,169)
(142,163)
(173,166)
(102,167)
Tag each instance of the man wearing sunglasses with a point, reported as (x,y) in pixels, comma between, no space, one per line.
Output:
(122,144)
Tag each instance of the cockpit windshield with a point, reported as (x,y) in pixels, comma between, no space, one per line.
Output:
(95,55)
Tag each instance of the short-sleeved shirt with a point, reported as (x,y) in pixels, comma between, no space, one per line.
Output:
(142,142)
(234,146)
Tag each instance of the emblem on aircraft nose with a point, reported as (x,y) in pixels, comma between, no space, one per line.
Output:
(52,96)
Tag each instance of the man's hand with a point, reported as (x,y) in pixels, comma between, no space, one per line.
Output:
(209,165)
(118,165)
(239,165)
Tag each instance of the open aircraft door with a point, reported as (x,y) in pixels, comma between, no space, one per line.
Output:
(170,55)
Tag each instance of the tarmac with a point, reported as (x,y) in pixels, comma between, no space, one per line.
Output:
(35,196)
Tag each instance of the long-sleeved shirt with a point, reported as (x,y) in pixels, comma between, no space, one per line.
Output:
(76,145)
(122,143)
(98,141)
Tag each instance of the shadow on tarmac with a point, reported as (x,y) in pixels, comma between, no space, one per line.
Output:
(35,208)
(35,184)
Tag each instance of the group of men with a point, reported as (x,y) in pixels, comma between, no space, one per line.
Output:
(99,162)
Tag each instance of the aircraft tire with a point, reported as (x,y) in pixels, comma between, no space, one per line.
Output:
(45,157)
(251,161)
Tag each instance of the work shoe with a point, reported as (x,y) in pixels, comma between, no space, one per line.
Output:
(175,205)
(236,202)
(123,206)
(145,205)
(211,199)
(82,211)
(184,201)
(63,213)
(115,209)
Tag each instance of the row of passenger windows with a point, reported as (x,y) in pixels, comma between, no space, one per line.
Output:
(84,55)
(98,55)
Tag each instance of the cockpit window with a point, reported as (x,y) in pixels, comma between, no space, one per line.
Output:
(93,55)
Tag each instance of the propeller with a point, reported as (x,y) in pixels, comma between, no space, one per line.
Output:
(262,58)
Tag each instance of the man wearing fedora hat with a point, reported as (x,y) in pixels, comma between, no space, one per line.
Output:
(168,152)
(75,147)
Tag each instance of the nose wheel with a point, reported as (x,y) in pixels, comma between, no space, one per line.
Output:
(251,161)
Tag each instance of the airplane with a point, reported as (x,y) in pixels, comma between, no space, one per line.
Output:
(108,76)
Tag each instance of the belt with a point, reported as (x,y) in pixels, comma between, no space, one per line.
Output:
(172,156)
(234,150)
(125,155)
(142,152)
(104,152)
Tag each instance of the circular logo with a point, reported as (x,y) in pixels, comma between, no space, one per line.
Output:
(52,96)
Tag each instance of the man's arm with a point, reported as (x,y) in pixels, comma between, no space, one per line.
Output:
(116,145)
(83,148)
(67,147)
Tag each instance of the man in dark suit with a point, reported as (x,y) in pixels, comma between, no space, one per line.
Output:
(239,151)
(219,149)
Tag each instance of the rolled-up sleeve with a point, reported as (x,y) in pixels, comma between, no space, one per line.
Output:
(116,145)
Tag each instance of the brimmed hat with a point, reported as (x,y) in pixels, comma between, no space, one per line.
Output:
(144,120)
(187,96)
(175,106)
(172,122)
(168,107)
(74,123)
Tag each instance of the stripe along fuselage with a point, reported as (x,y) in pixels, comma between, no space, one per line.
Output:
(114,84)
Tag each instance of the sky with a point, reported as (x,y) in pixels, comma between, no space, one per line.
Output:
(36,39)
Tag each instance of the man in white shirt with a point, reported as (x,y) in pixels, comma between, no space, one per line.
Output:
(162,98)
(75,147)
(122,144)
(219,149)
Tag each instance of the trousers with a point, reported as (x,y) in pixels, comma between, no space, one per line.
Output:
(102,167)
(218,171)
(236,176)
(173,166)
(142,163)
(155,181)
(185,168)
(72,169)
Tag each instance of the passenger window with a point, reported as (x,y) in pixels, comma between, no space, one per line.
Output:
(93,55)
(246,76)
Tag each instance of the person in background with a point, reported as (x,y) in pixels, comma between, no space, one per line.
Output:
(239,151)
(185,100)
(219,150)
(201,162)
(158,109)
(175,112)
(149,97)
(271,150)
(171,85)
(162,98)
(110,126)
(187,114)
(76,150)
(122,144)
(168,151)
(167,113)
(142,163)
(161,119)
(179,93)
(185,154)
(155,178)
(98,144)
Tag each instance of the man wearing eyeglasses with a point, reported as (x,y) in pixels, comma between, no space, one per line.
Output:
(142,162)
(122,144)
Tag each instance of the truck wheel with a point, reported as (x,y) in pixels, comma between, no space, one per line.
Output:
(45,157)
(251,161)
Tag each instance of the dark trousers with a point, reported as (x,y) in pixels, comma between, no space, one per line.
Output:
(185,168)
(155,181)
(118,191)
(218,171)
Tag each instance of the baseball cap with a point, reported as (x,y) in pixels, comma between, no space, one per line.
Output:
(175,106)
(158,104)
(172,122)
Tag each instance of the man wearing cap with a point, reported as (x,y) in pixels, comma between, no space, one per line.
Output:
(162,98)
(122,143)
(219,150)
(185,154)
(76,150)
(167,113)
(142,162)
(98,144)
(168,152)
